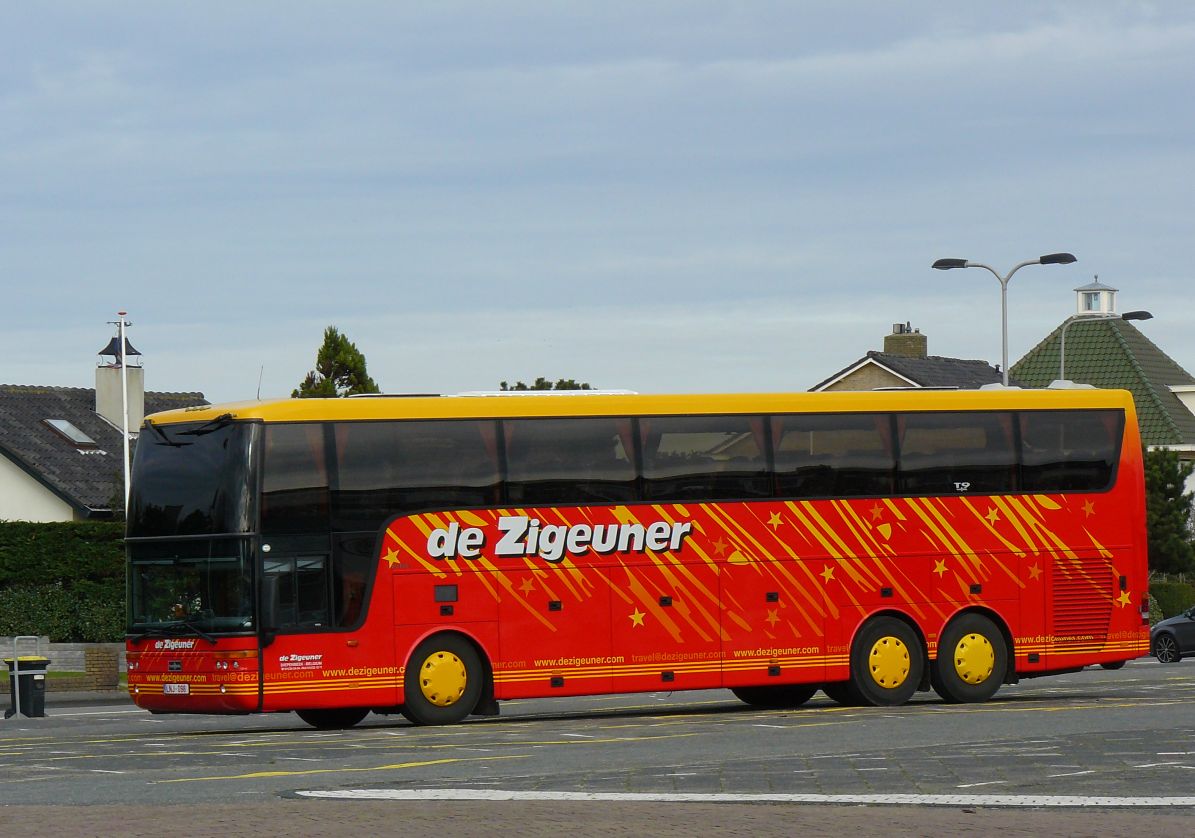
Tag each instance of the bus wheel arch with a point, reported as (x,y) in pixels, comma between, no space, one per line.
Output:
(975,656)
(888,660)
(447,677)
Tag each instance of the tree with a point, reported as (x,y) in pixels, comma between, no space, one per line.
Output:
(339,370)
(1168,512)
(542,383)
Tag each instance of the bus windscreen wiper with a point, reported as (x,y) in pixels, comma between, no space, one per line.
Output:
(195,628)
(208,427)
(165,439)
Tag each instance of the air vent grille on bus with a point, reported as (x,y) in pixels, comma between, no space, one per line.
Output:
(1082,600)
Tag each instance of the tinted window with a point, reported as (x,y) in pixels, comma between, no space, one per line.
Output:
(952,453)
(833,455)
(192,479)
(704,457)
(568,461)
(394,468)
(294,493)
(1069,449)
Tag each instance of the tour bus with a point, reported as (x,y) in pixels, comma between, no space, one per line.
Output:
(436,555)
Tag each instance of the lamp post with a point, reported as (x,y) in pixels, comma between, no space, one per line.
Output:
(1128,315)
(1048,259)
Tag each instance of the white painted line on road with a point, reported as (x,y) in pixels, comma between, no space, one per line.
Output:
(994,800)
(1069,774)
(58,715)
(988,783)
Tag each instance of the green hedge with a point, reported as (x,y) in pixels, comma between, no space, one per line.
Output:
(1173,597)
(62,580)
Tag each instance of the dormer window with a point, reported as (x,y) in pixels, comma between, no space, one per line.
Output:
(1091,301)
(68,431)
(1095,298)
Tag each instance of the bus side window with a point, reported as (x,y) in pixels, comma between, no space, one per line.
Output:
(302,583)
(562,461)
(833,455)
(952,453)
(703,458)
(1069,450)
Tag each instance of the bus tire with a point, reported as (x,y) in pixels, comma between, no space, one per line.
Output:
(443,681)
(972,660)
(887,663)
(339,718)
(778,697)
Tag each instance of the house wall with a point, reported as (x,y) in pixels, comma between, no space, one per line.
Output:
(867,377)
(24,499)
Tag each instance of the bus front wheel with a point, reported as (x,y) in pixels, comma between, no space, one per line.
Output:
(887,663)
(972,660)
(443,681)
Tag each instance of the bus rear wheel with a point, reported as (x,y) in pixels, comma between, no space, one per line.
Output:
(443,681)
(337,719)
(887,663)
(777,697)
(972,660)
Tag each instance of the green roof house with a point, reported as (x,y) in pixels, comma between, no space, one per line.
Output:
(1104,349)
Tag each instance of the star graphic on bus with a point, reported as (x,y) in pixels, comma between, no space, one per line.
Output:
(993,515)
(828,573)
(940,568)
(636,617)
(876,512)
(1034,571)
(527,587)
(772,617)
(774,521)
(391,557)
(720,547)
(1088,508)
(1124,599)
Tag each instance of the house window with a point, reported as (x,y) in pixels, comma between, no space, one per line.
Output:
(1091,301)
(72,434)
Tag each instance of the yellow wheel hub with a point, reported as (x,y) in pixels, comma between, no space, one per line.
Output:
(443,678)
(889,662)
(974,658)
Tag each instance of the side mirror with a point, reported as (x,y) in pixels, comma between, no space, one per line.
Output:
(268,609)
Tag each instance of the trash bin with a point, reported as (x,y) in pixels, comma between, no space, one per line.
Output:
(27,685)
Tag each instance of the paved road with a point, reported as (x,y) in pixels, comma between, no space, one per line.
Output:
(1128,735)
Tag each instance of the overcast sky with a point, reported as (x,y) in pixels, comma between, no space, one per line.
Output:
(661,196)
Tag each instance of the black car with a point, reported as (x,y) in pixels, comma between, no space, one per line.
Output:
(1174,638)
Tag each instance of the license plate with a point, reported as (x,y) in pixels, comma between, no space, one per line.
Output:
(176,689)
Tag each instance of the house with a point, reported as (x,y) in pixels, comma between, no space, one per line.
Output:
(906,362)
(60,447)
(1104,349)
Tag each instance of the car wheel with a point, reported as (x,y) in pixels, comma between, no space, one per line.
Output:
(1166,649)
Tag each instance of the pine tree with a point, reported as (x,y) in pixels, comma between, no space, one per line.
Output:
(339,370)
(542,383)
(1168,512)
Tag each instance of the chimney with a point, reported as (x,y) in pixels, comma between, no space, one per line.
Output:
(906,341)
(108,398)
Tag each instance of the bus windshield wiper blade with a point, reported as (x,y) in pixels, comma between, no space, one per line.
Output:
(207,428)
(165,439)
(195,628)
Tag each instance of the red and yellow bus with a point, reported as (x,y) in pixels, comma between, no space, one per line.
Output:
(437,555)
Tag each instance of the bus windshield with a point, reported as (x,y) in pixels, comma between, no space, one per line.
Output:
(192,479)
(196,586)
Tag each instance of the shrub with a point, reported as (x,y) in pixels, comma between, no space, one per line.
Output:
(62,580)
(1173,597)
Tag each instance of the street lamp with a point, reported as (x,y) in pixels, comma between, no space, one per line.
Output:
(1128,315)
(1048,259)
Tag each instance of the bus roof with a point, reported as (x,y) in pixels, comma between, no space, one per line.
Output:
(498,407)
